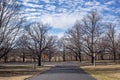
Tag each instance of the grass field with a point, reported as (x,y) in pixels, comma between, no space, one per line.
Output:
(20,72)
(104,72)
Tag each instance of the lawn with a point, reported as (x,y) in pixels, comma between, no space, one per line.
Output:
(104,72)
(20,72)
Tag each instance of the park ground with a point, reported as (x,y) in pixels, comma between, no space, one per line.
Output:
(104,71)
(21,71)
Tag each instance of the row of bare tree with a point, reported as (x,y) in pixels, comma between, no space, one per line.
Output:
(93,36)
(14,36)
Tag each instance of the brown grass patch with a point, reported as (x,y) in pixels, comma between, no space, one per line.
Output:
(104,72)
(17,72)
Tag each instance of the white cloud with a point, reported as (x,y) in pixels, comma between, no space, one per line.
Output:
(63,10)
(33,1)
(110,18)
(50,7)
(68,11)
(62,21)
(34,14)
(110,2)
(94,3)
(32,5)
(59,35)
(46,1)
(117,10)
(89,4)
(61,2)
(28,9)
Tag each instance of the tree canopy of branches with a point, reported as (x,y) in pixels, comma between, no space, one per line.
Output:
(112,41)
(38,41)
(92,32)
(74,38)
(9,25)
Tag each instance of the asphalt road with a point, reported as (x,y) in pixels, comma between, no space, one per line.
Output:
(63,72)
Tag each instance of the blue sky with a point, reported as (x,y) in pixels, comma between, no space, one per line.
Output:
(62,14)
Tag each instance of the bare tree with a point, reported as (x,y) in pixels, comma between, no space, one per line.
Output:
(61,46)
(9,25)
(53,50)
(92,31)
(112,39)
(102,47)
(74,38)
(38,40)
(118,47)
(22,46)
(50,52)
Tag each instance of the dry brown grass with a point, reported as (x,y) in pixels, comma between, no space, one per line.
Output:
(15,77)
(104,72)
(17,72)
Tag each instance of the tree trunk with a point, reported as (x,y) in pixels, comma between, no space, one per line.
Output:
(71,58)
(23,58)
(114,57)
(55,58)
(76,58)
(119,56)
(102,58)
(92,59)
(80,57)
(5,58)
(50,58)
(39,60)
(64,57)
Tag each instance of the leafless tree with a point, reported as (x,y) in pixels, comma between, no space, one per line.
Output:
(74,39)
(61,46)
(50,52)
(22,46)
(9,25)
(102,47)
(118,47)
(112,39)
(38,40)
(92,31)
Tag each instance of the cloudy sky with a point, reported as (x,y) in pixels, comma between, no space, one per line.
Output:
(62,14)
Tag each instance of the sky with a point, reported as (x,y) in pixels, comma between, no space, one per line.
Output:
(62,14)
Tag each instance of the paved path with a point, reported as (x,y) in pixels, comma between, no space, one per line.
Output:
(63,72)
